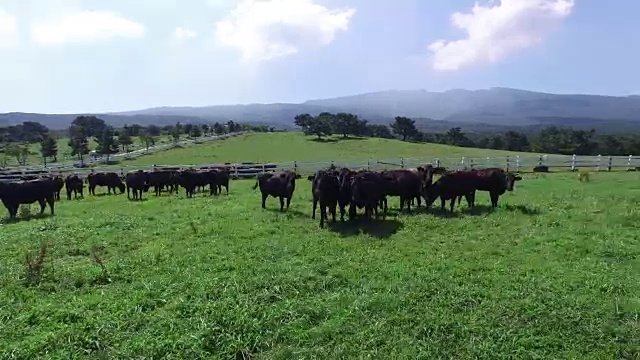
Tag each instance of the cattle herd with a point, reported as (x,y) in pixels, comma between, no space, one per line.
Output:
(331,188)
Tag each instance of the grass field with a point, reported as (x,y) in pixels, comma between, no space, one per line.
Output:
(551,274)
(294,146)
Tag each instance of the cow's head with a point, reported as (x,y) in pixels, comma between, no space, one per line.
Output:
(311,177)
(122,188)
(511,180)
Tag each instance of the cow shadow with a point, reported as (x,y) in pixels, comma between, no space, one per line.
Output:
(523,209)
(29,217)
(290,211)
(377,228)
(105,194)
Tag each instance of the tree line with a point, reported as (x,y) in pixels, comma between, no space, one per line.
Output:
(551,139)
(15,140)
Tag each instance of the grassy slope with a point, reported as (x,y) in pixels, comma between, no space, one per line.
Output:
(293,146)
(553,273)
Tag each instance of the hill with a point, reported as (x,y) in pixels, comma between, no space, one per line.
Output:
(293,146)
(488,110)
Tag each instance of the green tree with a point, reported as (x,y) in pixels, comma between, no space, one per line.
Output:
(147,140)
(218,128)
(78,141)
(20,152)
(196,132)
(124,139)
(107,144)
(176,131)
(153,130)
(379,131)
(48,149)
(404,127)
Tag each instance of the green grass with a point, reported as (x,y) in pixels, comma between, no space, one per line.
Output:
(294,146)
(551,274)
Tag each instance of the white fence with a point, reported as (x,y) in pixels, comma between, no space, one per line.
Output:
(516,163)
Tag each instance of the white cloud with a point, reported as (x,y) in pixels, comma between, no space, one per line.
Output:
(182,33)
(85,27)
(268,29)
(496,30)
(8,30)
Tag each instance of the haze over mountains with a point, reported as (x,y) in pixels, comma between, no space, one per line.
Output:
(495,109)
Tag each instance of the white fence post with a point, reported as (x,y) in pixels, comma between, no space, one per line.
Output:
(629,162)
(518,163)
(599,161)
(462,162)
(573,162)
(507,163)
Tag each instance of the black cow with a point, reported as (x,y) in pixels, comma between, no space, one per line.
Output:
(221,179)
(164,178)
(496,181)
(280,185)
(74,184)
(465,183)
(110,179)
(59,181)
(27,192)
(406,184)
(137,181)
(325,189)
(367,190)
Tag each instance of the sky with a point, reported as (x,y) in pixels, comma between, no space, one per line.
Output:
(72,56)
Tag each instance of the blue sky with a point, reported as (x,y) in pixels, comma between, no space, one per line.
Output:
(96,55)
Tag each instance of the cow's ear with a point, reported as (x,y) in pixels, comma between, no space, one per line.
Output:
(420,168)
(310,177)
(517,178)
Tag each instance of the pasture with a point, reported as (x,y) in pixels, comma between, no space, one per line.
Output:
(552,273)
(294,146)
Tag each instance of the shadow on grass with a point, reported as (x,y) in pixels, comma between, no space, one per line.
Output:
(523,209)
(18,219)
(291,211)
(336,139)
(107,194)
(138,200)
(377,228)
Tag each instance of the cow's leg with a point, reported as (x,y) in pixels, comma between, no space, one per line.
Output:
(52,204)
(323,214)
(281,203)
(442,203)
(43,203)
(68,194)
(289,201)
(315,204)
(453,203)
(494,198)
(334,205)
(13,210)
(264,200)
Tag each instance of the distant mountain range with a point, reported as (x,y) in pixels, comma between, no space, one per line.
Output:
(495,109)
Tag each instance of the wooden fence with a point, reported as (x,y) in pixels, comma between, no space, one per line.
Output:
(516,163)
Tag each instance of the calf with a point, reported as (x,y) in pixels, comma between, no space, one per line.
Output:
(403,183)
(280,185)
(450,187)
(27,192)
(111,180)
(74,184)
(494,180)
(221,179)
(137,181)
(325,190)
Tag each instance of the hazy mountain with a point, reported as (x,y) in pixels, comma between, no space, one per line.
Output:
(487,110)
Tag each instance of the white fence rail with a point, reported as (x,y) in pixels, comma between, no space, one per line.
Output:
(516,163)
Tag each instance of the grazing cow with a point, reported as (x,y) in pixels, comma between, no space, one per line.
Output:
(280,185)
(221,179)
(189,180)
(111,180)
(452,186)
(367,190)
(27,192)
(406,184)
(325,188)
(59,181)
(164,178)
(74,184)
(465,183)
(137,181)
